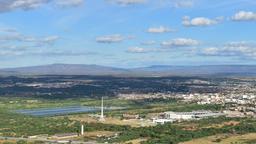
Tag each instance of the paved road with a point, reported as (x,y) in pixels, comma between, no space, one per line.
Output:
(44,140)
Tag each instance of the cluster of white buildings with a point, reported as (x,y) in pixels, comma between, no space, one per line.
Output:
(216,98)
(208,98)
(136,96)
(48,85)
(236,104)
(181,116)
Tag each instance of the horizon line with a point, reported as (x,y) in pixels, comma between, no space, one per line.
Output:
(148,66)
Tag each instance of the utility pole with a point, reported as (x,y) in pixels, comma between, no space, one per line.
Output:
(102,110)
(82,130)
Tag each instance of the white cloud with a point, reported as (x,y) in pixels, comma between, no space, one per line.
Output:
(14,43)
(68,3)
(110,38)
(11,5)
(200,21)
(175,3)
(10,53)
(183,3)
(236,49)
(160,29)
(24,38)
(244,16)
(12,39)
(127,2)
(13,50)
(50,39)
(136,50)
(158,3)
(210,51)
(27,4)
(180,42)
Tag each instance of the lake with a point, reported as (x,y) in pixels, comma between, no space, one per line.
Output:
(61,110)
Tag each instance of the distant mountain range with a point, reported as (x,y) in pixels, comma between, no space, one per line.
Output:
(160,70)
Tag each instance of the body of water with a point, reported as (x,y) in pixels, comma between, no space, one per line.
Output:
(61,110)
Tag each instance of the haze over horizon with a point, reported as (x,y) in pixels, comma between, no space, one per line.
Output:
(127,68)
(127,33)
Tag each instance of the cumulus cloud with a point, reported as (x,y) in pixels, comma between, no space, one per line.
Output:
(68,3)
(50,39)
(156,3)
(127,2)
(244,16)
(180,42)
(10,5)
(210,51)
(144,50)
(14,43)
(200,21)
(175,3)
(110,39)
(236,49)
(183,3)
(13,50)
(18,37)
(115,38)
(136,50)
(11,37)
(10,53)
(160,29)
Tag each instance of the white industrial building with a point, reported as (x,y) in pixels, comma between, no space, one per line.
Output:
(162,121)
(178,116)
(191,115)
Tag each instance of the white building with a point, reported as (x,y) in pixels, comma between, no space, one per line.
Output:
(162,121)
(178,115)
(190,115)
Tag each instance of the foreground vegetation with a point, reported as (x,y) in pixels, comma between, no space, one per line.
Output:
(172,134)
(20,125)
(16,125)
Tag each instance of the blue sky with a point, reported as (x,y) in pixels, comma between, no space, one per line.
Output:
(127,33)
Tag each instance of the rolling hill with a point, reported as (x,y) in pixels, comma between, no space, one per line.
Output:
(158,70)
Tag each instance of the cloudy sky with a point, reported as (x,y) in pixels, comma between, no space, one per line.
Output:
(127,33)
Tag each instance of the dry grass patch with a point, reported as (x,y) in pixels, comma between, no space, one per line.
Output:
(113,121)
(229,123)
(7,141)
(135,141)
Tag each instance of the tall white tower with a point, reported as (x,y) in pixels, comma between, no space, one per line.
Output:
(82,129)
(102,111)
